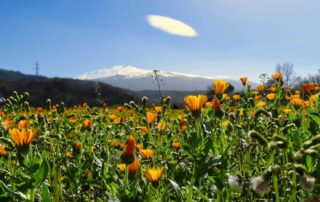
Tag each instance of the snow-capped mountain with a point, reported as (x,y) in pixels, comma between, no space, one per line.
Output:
(136,79)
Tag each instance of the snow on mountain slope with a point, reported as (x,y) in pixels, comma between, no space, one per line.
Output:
(131,71)
(137,79)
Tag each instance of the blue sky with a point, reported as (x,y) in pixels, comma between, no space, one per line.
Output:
(235,37)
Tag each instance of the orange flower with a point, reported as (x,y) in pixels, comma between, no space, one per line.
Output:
(68,154)
(220,86)
(297,102)
(23,124)
(153,175)
(277,76)
(144,128)
(249,85)
(273,89)
(243,80)
(260,88)
(151,117)
(87,123)
(183,125)
(176,144)
(271,96)
(22,137)
(216,104)
(140,147)
(195,103)
(120,108)
(128,156)
(3,151)
(78,146)
(158,109)
(236,97)
(133,168)
(147,153)
(7,124)
(73,120)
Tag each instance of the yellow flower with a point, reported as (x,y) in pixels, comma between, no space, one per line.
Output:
(87,123)
(154,174)
(161,125)
(220,86)
(22,137)
(225,97)
(147,153)
(195,103)
(271,96)
(261,104)
(287,111)
(225,123)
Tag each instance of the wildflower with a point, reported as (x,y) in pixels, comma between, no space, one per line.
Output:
(297,102)
(271,96)
(287,111)
(260,88)
(249,85)
(147,153)
(116,121)
(133,168)
(128,156)
(195,103)
(273,89)
(78,146)
(216,104)
(7,124)
(140,147)
(225,123)
(257,97)
(183,125)
(176,144)
(158,109)
(87,173)
(87,123)
(73,120)
(277,76)
(243,80)
(144,129)
(154,174)
(236,97)
(112,117)
(23,124)
(3,151)
(68,154)
(120,108)
(151,117)
(161,125)
(225,97)
(22,137)
(220,86)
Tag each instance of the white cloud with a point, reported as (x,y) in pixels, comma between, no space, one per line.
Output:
(171,26)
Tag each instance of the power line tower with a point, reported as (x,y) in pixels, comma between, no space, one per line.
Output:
(37,68)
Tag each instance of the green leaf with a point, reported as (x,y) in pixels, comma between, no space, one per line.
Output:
(41,174)
(16,193)
(45,194)
(315,117)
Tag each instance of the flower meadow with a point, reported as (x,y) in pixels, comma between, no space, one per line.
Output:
(261,144)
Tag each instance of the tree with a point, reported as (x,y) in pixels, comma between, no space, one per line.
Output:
(288,76)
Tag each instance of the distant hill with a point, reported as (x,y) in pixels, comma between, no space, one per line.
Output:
(70,91)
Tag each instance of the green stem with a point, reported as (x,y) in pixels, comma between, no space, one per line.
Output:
(276,188)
